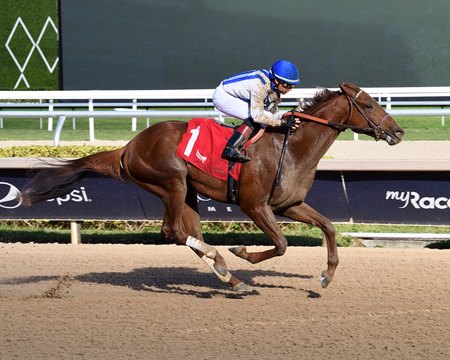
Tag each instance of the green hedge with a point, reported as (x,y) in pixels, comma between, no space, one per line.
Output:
(36,151)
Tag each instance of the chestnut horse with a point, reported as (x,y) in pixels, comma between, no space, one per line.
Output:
(149,160)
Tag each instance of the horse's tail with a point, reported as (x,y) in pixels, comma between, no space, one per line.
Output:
(61,178)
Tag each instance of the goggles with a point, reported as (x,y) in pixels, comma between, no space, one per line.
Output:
(287,86)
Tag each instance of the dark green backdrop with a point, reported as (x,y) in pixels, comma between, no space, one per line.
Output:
(171,44)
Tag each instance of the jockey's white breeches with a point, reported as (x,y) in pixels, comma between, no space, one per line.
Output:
(230,105)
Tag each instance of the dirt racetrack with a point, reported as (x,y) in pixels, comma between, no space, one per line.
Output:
(161,302)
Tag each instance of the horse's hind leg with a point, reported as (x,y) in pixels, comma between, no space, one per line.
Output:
(191,222)
(165,176)
(306,214)
(182,225)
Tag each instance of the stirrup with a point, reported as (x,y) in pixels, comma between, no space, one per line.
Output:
(232,154)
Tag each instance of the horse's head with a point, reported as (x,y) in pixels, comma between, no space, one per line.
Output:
(368,117)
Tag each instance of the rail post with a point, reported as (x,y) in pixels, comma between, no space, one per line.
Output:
(59,125)
(50,119)
(134,119)
(91,121)
(75,232)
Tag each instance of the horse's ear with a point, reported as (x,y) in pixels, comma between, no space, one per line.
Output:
(348,89)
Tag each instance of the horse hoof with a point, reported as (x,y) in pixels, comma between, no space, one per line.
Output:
(236,250)
(242,287)
(324,280)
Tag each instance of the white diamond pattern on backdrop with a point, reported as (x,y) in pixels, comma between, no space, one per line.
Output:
(34,45)
(44,28)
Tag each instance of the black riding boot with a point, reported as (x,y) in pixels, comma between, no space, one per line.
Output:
(232,150)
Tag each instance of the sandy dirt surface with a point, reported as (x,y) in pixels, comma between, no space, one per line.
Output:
(406,150)
(342,150)
(161,302)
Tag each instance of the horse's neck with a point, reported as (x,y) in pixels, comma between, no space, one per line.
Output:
(315,141)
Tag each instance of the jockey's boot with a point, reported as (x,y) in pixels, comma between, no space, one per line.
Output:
(232,150)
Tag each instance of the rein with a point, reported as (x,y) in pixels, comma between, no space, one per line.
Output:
(374,129)
(283,153)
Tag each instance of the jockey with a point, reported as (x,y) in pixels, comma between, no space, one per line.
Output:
(253,97)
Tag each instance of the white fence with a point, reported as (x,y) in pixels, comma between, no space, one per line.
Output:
(131,103)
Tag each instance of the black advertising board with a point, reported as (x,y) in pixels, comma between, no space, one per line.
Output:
(408,197)
(363,196)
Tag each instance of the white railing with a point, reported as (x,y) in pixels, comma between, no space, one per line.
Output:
(53,101)
(206,94)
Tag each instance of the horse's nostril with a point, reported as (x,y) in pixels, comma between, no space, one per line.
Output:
(399,133)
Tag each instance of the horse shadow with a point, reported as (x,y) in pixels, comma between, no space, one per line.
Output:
(179,280)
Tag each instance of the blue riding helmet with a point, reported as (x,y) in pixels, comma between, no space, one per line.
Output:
(286,72)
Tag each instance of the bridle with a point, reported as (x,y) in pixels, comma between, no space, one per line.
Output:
(374,129)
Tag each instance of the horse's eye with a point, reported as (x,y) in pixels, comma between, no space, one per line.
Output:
(369,106)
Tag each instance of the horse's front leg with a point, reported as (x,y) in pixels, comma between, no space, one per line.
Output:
(264,218)
(306,214)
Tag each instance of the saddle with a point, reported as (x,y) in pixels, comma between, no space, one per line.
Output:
(202,146)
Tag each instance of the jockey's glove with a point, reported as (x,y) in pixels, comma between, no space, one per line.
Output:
(289,120)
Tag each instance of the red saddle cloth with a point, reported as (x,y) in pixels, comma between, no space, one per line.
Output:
(202,146)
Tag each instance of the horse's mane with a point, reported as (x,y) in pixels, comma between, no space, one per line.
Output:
(309,106)
(322,96)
